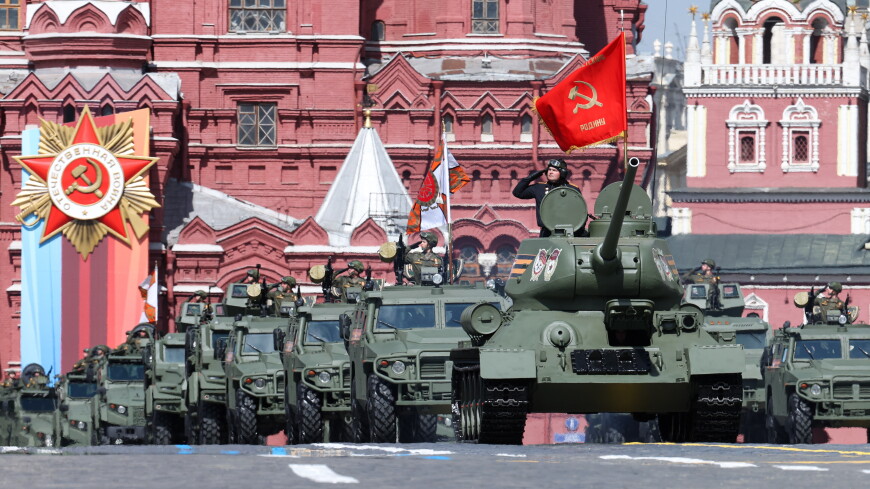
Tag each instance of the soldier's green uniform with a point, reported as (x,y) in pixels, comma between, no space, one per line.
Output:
(283,293)
(830,303)
(252,277)
(702,274)
(344,282)
(426,258)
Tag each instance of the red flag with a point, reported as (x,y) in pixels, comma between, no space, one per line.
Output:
(588,106)
(432,206)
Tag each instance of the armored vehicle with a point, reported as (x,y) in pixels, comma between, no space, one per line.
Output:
(164,390)
(122,389)
(597,325)
(399,340)
(77,393)
(29,409)
(317,371)
(722,299)
(817,375)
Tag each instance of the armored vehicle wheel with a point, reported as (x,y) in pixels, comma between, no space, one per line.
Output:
(310,422)
(246,420)
(753,427)
(381,411)
(212,424)
(417,428)
(775,433)
(800,421)
(341,429)
(162,429)
(289,420)
(359,419)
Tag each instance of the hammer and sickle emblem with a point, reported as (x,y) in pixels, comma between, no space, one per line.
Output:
(91,187)
(590,101)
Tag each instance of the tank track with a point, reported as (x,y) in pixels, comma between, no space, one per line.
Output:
(488,411)
(716,408)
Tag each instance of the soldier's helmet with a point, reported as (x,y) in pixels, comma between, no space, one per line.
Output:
(99,350)
(31,371)
(709,262)
(430,238)
(254,273)
(356,265)
(836,287)
(560,165)
(289,281)
(201,293)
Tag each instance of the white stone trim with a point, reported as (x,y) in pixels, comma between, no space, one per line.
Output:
(198,248)
(746,118)
(756,303)
(696,151)
(860,220)
(16,287)
(761,7)
(112,9)
(258,65)
(800,117)
(191,288)
(681,220)
(361,250)
(847,140)
(14,245)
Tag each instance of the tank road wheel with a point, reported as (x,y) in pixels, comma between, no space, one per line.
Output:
(246,420)
(800,421)
(466,402)
(381,410)
(358,418)
(162,429)
(212,424)
(308,405)
(715,412)
(674,427)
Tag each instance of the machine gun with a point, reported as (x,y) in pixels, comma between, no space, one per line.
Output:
(369,285)
(399,261)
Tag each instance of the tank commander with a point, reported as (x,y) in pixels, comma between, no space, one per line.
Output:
(417,260)
(557,176)
(703,274)
(282,293)
(353,278)
(829,300)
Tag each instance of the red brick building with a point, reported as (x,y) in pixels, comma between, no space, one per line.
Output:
(256,111)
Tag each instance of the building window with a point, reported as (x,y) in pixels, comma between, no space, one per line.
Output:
(747,147)
(800,147)
(449,133)
(107,110)
(69,113)
(256,124)
(486,129)
(526,129)
(505,255)
(800,138)
(257,15)
(9,15)
(378,31)
(484,16)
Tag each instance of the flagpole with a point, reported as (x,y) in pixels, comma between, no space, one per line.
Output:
(445,169)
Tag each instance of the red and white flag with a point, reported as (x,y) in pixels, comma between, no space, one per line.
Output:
(432,206)
(588,107)
(149,288)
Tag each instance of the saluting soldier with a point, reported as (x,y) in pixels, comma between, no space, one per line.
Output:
(557,174)
(423,258)
(198,296)
(284,292)
(829,300)
(252,277)
(703,274)
(351,279)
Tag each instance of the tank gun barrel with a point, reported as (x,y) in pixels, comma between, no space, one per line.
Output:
(607,251)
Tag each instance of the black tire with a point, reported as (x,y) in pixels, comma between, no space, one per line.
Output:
(310,418)
(359,418)
(674,427)
(289,420)
(417,428)
(800,421)
(381,410)
(212,424)
(341,429)
(161,429)
(246,420)
(753,427)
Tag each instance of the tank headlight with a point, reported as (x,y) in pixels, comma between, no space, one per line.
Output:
(121,409)
(260,383)
(82,425)
(324,377)
(842,319)
(816,390)
(398,367)
(437,279)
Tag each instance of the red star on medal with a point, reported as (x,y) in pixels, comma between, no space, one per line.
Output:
(79,172)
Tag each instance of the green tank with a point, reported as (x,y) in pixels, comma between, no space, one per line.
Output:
(317,371)
(817,375)
(29,408)
(597,325)
(121,389)
(399,340)
(165,408)
(77,393)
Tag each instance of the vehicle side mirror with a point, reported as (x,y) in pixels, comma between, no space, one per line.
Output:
(344,325)
(101,391)
(278,335)
(220,349)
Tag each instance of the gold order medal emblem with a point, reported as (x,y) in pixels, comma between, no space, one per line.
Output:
(97,181)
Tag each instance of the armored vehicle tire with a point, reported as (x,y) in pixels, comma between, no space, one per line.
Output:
(212,424)
(246,420)
(309,417)
(341,429)
(753,427)
(161,426)
(800,421)
(775,433)
(484,411)
(289,420)
(359,419)
(417,428)
(381,410)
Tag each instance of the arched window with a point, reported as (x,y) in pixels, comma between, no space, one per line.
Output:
(505,256)
(801,147)
(107,110)
(448,124)
(817,41)
(69,113)
(378,31)
(747,147)
(746,138)
(526,129)
(486,129)
(773,43)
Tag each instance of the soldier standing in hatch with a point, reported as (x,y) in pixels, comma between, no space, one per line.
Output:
(703,274)
(252,277)
(351,279)
(282,293)
(557,176)
(198,296)
(424,258)
(829,300)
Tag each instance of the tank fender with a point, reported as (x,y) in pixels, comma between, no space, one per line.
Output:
(507,363)
(725,359)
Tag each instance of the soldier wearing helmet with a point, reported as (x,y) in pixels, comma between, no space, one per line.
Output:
(282,293)
(705,273)
(829,299)
(352,279)
(252,277)
(557,176)
(417,260)
(198,296)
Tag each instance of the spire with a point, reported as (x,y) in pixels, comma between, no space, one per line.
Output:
(851,55)
(863,49)
(692,67)
(706,52)
(367,186)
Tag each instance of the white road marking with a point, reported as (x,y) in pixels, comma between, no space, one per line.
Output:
(321,473)
(388,449)
(810,468)
(683,460)
(866,471)
(520,455)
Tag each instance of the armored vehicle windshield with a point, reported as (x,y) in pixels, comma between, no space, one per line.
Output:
(322,332)
(257,343)
(125,372)
(81,390)
(38,404)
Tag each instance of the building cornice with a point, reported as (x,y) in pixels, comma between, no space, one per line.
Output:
(770,195)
